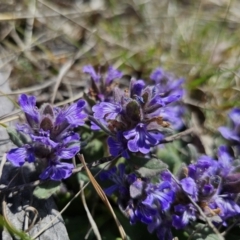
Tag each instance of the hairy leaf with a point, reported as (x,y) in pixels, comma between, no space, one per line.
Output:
(147,167)
(46,189)
(14,136)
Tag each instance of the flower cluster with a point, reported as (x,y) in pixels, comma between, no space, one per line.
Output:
(211,184)
(141,116)
(141,200)
(102,88)
(50,137)
(136,119)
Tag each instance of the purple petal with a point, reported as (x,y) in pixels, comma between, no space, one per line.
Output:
(18,156)
(224,158)
(73,114)
(189,186)
(157,75)
(106,110)
(69,152)
(133,144)
(228,134)
(140,139)
(58,171)
(117,146)
(235,116)
(90,70)
(45,140)
(28,105)
(136,87)
(112,74)
(110,190)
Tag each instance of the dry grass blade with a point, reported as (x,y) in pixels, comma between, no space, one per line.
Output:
(31,89)
(4,159)
(67,66)
(103,196)
(89,215)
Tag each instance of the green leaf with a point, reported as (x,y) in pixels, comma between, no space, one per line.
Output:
(147,167)
(82,177)
(46,189)
(14,136)
(13,231)
(170,155)
(203,232)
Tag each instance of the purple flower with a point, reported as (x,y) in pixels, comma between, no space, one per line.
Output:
(49,119)
(140,139)
(106,110)
(225,161)
(166,82)
(213,184)
(144,114)
(136,87)
(28,105)
(233,133)
(102,87)
(69,147)
(73,114)
(190,187)
(95,127)
(226,206)
(118,146)
(184,214)
(57,171)
(112,74)
(116,175)
(159,196)
(90,70)
(18,156)
(51,136)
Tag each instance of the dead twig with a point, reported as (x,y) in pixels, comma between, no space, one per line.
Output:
(177,136)
(67,66)
(94,226)
(103,196)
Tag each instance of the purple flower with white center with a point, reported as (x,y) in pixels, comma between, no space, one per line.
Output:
(159,196)
(140,139)
(183,215)
(106,110)
(18,156)
(102,87)
(57,171)
(73,114)
(144,214)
